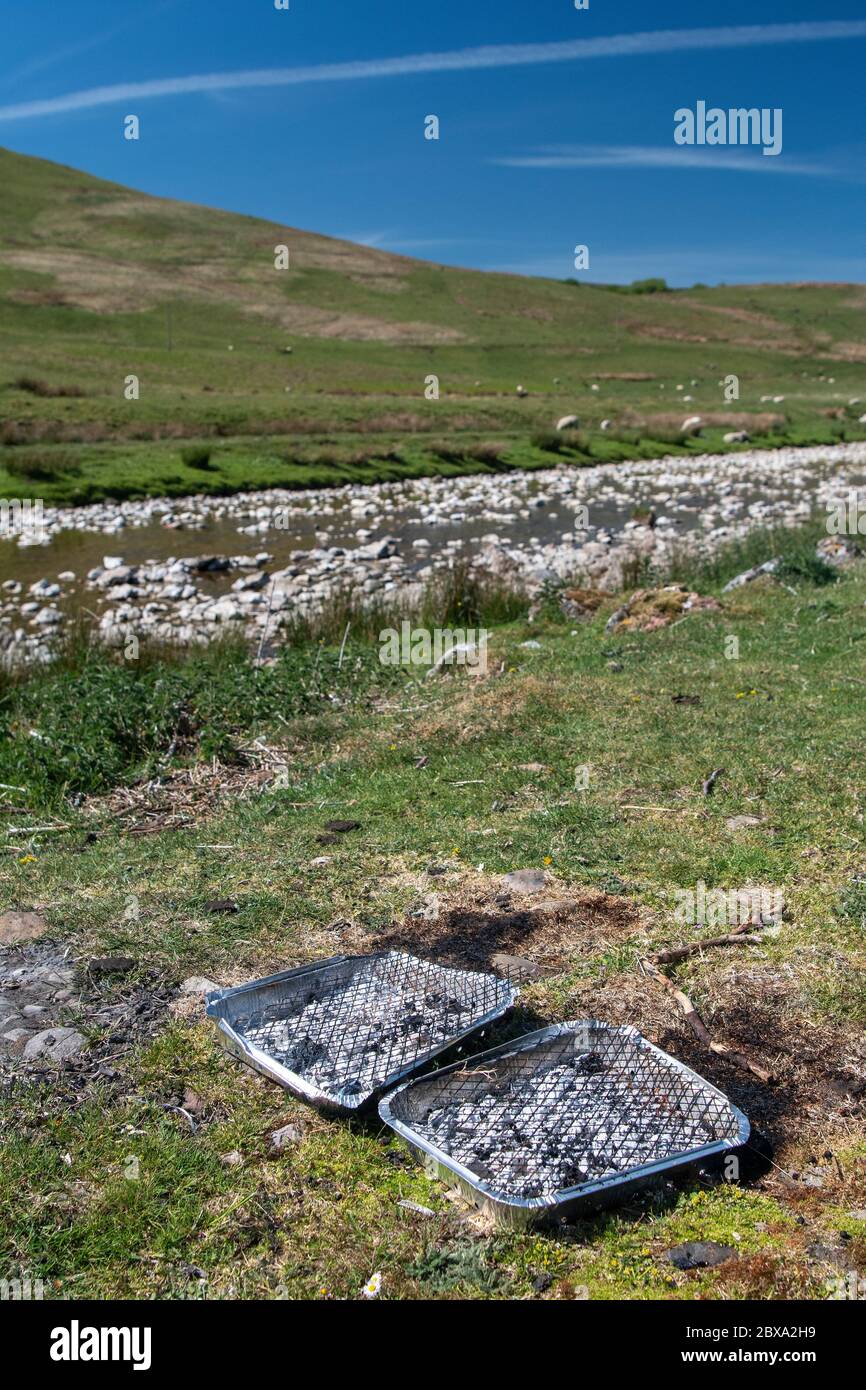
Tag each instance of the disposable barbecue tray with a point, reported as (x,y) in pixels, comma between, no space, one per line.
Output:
(573,1116)
(340,1031)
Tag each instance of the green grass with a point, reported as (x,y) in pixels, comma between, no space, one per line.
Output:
(784,720)
(110,280)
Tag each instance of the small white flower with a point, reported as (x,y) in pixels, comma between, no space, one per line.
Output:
(373,1285)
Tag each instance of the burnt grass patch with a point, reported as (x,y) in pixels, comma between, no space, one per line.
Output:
(818,1085)
(550,934)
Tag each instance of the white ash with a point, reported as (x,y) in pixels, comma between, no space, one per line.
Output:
(348,1041)
(568,1122)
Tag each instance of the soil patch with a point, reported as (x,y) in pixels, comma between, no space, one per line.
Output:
(550,933)
(818,1067)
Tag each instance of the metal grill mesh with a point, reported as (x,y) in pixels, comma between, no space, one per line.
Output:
(347,1031)
(576,1108)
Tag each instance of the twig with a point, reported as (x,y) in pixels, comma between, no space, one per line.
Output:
(738,937)
(699,1028)
(343,647)
(266,624)
(35,829)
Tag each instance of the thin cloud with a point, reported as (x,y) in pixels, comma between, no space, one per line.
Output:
(494,56)
(645,157)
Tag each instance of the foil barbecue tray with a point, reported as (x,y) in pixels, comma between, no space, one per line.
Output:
(340,1031)
(571,1117)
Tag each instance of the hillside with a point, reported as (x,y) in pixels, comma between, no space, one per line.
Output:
(98,282)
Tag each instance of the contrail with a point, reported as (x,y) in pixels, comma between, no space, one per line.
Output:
(644,157)
(460,60)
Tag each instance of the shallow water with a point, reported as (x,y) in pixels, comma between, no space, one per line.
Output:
(685,494)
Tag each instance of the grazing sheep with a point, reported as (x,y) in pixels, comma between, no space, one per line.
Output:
(737,437)
(522,391)
(692,425)
(607,424)
(568,422)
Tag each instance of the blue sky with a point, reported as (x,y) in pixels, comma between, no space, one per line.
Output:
(562,135)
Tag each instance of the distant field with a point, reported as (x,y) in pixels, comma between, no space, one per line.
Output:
(98,283)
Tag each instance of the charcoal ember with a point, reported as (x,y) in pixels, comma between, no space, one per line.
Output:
(346,1038)
(568,1122)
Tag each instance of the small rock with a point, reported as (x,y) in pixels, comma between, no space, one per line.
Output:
(198,984)
(699,1254)
(21,926)
(282,1138)
(233,1159)
(192,1102)
(526,880)
(516,967)
(111,965)
(224,905)
(833,550)
(742,822)
(55,1045)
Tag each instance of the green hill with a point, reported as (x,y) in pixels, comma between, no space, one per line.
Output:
(98,282)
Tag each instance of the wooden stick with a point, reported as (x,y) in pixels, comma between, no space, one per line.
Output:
(699,1028)
(35,829)
(738,937)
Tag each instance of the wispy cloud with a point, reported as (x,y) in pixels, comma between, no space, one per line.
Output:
(461,60)
(673,157)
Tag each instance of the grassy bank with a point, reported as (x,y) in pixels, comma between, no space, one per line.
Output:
(358,365)
(473,777)
(68,474)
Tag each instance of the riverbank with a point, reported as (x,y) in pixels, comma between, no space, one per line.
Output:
(255,564)
(201,852)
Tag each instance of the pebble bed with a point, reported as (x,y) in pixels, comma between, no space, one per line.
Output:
(386,541)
